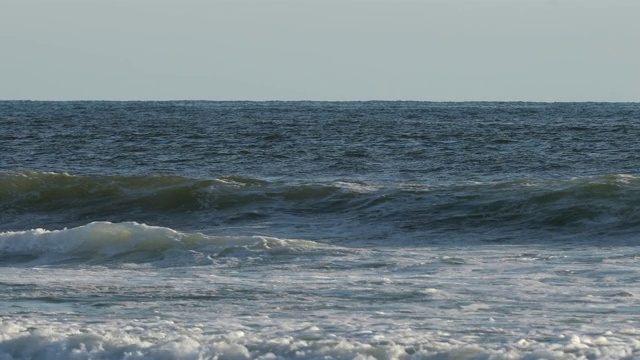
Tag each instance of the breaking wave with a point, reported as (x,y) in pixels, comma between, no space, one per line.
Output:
(31,199)
(130,242)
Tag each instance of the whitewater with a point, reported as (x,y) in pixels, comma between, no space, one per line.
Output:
(319,230)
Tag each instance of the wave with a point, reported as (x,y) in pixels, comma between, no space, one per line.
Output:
(597,203)
(130,242)
(53,191)
(578,203)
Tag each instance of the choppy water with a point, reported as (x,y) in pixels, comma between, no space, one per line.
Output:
(392,230)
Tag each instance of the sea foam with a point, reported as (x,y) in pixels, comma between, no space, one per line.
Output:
(31,339)
(131,242)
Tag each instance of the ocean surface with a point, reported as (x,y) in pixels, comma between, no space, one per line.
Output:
(319,230)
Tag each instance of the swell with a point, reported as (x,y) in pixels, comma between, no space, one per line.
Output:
(609,202)
(32,199)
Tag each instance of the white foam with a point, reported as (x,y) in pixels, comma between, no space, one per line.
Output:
(561,303)
(357,188)
(105,239)
(44,339)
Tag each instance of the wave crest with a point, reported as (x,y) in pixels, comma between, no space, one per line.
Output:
(350,210)
(104,242)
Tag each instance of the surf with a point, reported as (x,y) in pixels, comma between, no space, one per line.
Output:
(340,211)
(130,242)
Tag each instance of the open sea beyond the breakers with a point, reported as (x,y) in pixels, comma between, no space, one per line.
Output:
(319,230)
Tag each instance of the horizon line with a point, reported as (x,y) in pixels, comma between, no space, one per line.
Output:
(326,101)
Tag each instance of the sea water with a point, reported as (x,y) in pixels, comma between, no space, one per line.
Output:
(319,230)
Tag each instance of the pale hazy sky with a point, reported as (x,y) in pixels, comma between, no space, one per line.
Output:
(439,50)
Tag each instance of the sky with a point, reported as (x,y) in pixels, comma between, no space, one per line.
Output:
(432,50)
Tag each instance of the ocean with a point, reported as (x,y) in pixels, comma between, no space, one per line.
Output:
(319,230)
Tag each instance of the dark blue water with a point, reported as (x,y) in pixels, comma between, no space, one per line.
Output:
(379,142)
(420,171)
